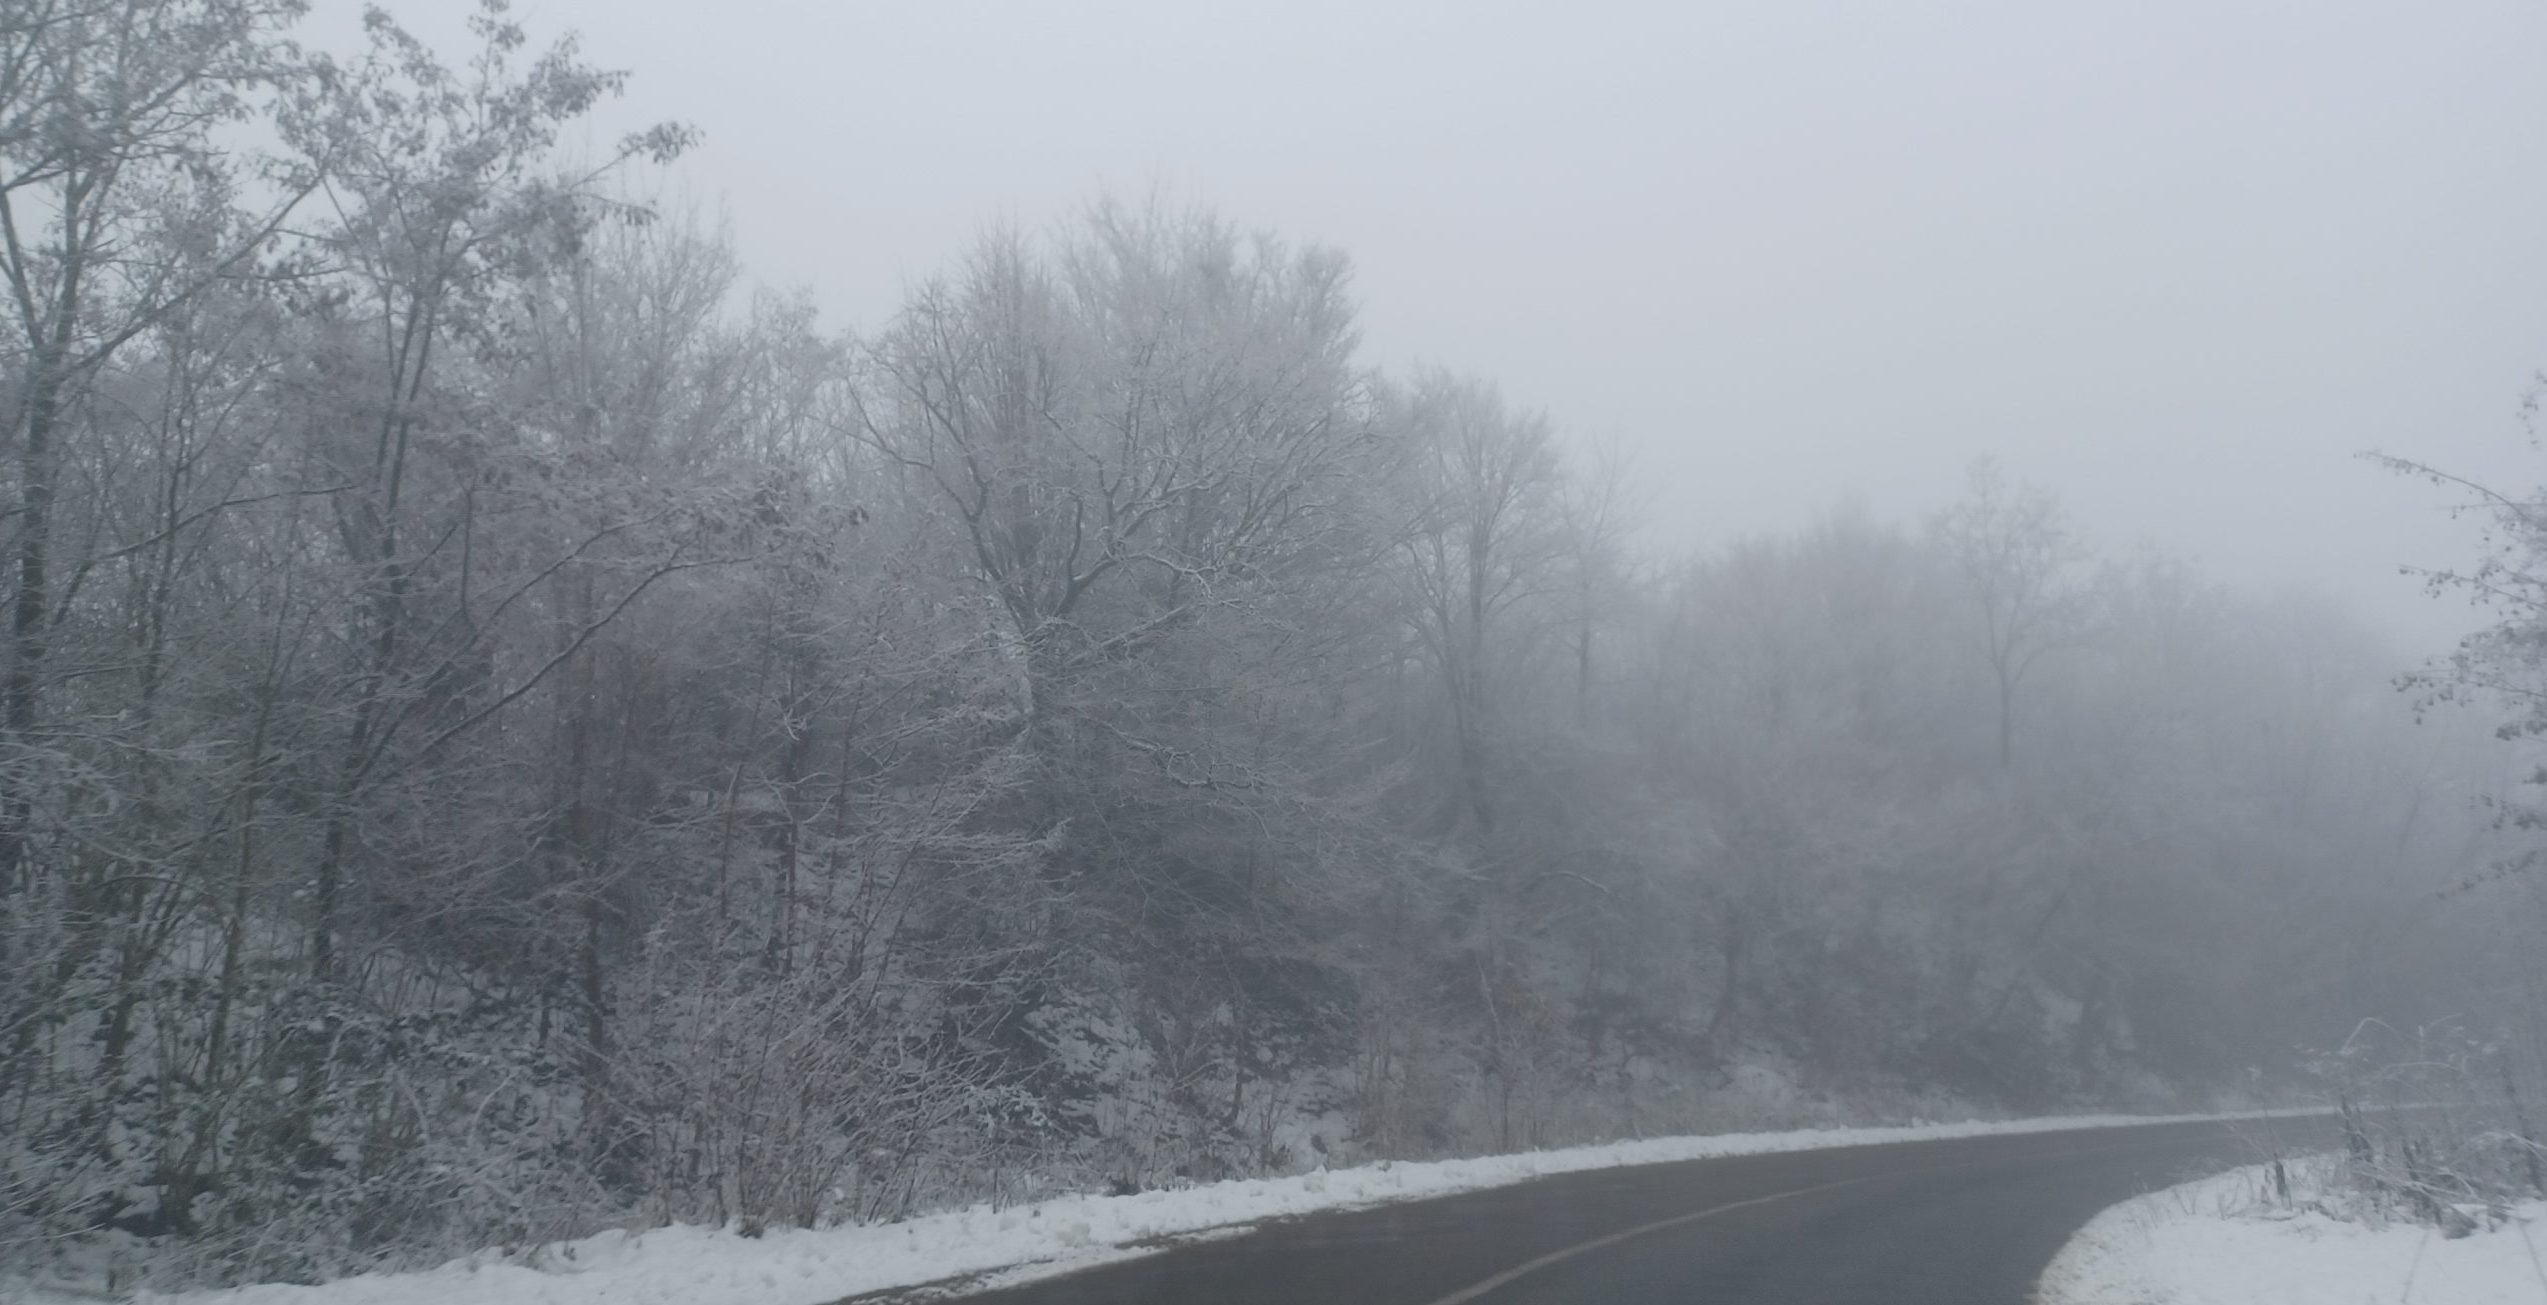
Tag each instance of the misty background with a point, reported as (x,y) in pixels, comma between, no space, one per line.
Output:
(2177,262)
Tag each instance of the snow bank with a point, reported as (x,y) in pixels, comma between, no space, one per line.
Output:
(690,1265)
(2216,1242)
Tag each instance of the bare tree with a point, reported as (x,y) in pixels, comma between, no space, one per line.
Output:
(116,208)
(440,192)
(1484,540)
(2014,546)
(1159,419)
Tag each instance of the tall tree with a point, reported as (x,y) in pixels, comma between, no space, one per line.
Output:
(442,192)
(1484,540)
(2015,548)
(117,206)
(1156,419)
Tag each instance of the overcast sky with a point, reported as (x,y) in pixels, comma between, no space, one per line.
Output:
(2179,262)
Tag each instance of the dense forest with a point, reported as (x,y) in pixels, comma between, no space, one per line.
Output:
(507,728)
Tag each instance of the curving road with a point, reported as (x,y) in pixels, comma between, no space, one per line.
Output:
(1965,1222)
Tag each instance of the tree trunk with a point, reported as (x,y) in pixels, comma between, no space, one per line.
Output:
(19,710)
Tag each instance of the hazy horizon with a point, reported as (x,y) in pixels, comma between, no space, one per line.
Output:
(2179,264)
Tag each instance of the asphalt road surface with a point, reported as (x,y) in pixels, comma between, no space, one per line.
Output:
(1966,1222)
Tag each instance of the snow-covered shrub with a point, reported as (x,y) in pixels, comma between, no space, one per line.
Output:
(2438,1128)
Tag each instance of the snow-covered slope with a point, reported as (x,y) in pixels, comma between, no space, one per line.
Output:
(686,1265)
(2216,1242)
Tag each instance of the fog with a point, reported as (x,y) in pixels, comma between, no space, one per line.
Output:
(2177,262)
(919,605)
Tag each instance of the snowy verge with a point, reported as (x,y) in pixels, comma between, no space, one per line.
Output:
(683,1265)
(2218,1241)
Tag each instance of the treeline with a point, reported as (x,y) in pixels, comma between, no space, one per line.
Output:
(506,729)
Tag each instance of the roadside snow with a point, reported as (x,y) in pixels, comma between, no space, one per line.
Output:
(692,1266)
(2217,1242)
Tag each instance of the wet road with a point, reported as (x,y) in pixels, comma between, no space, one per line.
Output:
(1964,1222)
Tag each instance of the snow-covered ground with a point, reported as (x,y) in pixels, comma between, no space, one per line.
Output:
(688,1265)
(2217,1241)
